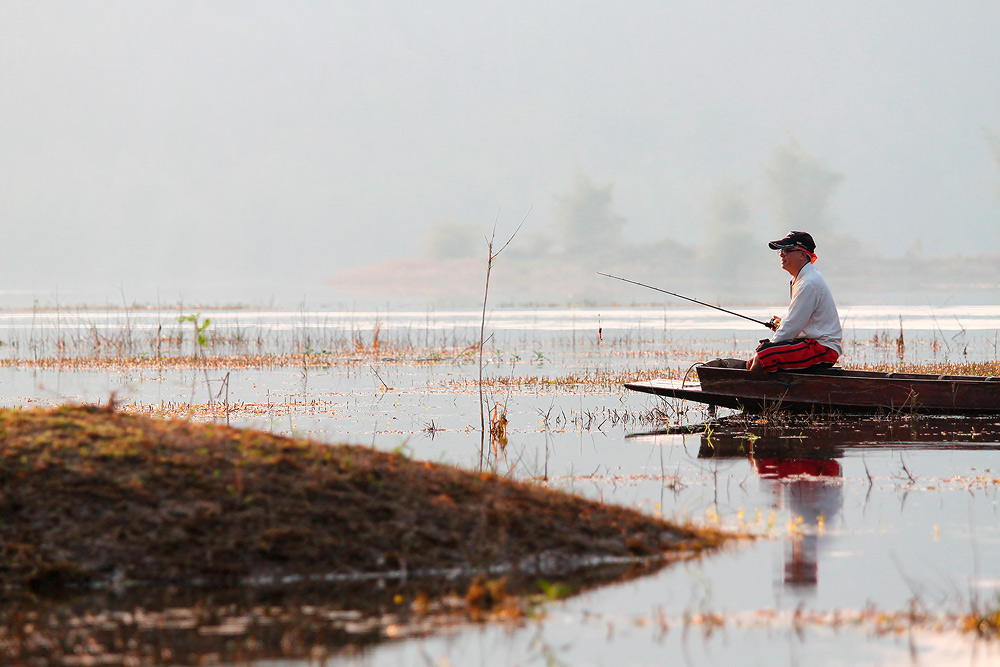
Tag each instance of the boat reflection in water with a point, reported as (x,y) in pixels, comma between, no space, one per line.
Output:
(799,465)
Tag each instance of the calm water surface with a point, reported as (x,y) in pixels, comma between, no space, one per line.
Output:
(857,519)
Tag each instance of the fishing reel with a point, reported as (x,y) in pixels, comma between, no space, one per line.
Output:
(774,323)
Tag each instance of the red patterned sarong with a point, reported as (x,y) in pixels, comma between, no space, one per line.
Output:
(794,355)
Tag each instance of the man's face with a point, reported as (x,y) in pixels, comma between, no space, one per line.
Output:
(793,259)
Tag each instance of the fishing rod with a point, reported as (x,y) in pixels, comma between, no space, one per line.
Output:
(772,324)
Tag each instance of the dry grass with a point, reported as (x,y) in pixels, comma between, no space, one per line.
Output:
(90,495)
(977,368)
(350,356)
(353,543)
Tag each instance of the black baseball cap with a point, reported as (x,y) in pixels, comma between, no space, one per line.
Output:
(801,239)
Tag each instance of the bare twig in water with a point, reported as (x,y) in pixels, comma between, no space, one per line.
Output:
(384,387)
(482,328)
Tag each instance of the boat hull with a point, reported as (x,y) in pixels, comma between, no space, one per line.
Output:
(834,390)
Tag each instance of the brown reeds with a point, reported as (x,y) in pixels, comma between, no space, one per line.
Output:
(972,368)
(498,427)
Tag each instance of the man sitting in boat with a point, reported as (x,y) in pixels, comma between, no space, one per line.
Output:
(810,335)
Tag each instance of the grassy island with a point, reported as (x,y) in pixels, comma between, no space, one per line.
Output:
(93,500)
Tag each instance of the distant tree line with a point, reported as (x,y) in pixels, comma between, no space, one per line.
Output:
(798,188)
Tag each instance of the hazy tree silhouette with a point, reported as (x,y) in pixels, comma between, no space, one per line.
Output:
(729,225)
(448,239)
(729,230)
(799,188)
(993,139)
(586,223)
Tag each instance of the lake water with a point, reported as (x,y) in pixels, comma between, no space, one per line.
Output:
(874,534)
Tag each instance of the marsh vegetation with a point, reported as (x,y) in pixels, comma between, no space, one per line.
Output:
(873,528)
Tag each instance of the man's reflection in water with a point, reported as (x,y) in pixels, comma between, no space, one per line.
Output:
(803,487)
(803,476)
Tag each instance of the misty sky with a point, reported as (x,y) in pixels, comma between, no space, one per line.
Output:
(176,146)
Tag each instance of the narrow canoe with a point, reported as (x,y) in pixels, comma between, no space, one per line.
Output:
(833,390)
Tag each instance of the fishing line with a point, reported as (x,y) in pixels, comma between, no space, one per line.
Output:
(772,324)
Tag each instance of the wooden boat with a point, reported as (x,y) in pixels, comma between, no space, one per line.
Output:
(832,390)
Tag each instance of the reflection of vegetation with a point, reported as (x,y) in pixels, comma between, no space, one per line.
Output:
(315,620)
(498,426)
(555,590)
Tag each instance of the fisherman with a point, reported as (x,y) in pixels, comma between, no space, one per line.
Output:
(809,336)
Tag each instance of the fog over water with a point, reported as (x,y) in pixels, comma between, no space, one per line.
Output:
(251,151)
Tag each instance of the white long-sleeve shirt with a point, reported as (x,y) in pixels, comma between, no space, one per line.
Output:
(812,312)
